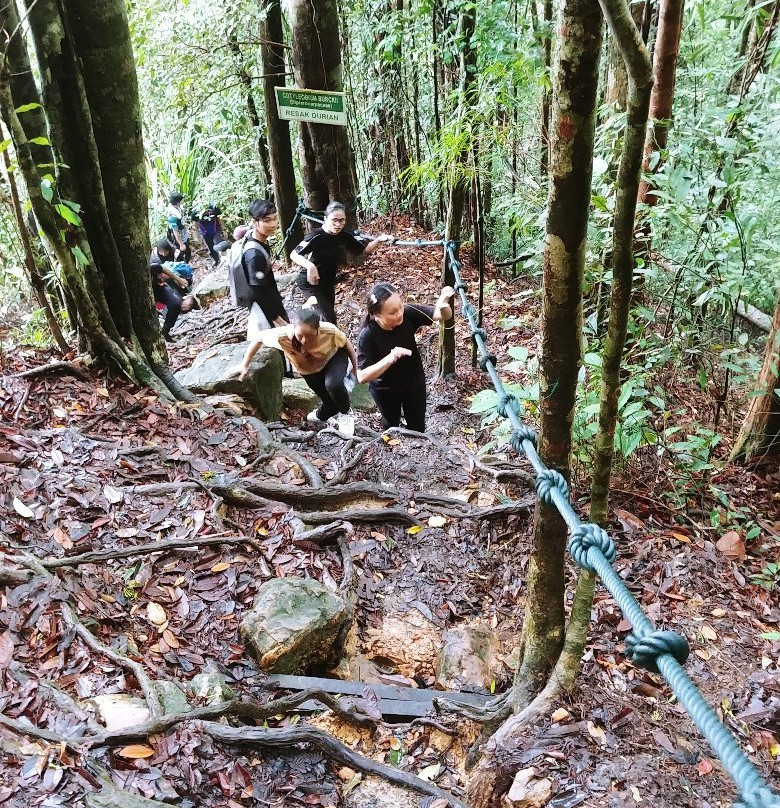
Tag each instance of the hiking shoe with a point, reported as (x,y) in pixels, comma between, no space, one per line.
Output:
(345,423)
(314,417)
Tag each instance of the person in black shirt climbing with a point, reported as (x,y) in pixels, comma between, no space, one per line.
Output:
(321,252)
(268,309)
(388,356)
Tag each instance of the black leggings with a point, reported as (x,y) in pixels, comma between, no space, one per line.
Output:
(411,400)
(328,384)
(172,300)
(326,299)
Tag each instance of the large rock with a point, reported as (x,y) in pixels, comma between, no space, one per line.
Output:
(465,659)
(294,622)
(299,396)
(119,710)
(263,385)
(212,287)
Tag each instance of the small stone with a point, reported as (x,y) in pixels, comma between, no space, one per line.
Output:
(172,698)
(346,774)
(119,710)
(465,660)
(527,792)
(561,714)
(211,688)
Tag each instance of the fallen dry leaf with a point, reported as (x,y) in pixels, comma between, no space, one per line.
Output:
(136,751)
(732,545)
(437,521)
(22,509)
(155,613)
(708,632)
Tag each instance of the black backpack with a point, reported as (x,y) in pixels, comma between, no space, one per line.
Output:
(241,294)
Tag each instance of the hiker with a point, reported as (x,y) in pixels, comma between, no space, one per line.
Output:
(209,227)
(388,356)
(180,274)
(178,235)
(322,354)
(321,252)
(163,280)
(267,309)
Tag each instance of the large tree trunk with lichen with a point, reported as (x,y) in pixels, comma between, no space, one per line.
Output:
(327,159)
(279,146)
(760,433)
(460,181)
(575,79)
(93,211)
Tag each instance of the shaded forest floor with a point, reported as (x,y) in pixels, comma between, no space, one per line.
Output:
(90,464)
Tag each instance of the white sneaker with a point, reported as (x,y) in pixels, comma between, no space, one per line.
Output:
(313,417)
(345,423)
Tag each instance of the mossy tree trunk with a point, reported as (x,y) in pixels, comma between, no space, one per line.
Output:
(327,159)
(461,180)
(92,212)
(627,38)
(279,146)
(760,433)
(575,80)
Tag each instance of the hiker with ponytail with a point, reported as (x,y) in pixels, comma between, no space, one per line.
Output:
(388,356)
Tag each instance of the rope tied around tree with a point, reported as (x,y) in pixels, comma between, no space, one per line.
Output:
(592,548)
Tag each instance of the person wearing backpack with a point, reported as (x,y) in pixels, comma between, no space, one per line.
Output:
(251,263)
(209,227)
(177,234)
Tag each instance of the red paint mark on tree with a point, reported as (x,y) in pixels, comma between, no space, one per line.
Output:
(567,129)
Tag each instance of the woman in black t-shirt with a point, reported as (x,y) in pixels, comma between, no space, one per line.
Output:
(388,356)
(321,252)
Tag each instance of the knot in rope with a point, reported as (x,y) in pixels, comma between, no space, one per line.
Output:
(451,245)
(758,798)
(548,480)
(479,332)
(590,535)
(461,287)
(483,361)
(519,435)
(644,651)
(504,402)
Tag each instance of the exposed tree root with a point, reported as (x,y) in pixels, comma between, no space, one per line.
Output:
(360,515)
(54,369)
(97,556)
(265,442)
(328,746)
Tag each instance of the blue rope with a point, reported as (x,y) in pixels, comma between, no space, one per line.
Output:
(593,549)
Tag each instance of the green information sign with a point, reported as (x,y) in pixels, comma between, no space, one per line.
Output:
(317,106)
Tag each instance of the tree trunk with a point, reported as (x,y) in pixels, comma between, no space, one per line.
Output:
(110,82)
(617,76)
(327,160)
(279,145)
(546,95)
(459,185)
(760,433)
(93,213)
(575,79)
(667,49)
(251,111)
(637,63)
(33,274)
(23,88)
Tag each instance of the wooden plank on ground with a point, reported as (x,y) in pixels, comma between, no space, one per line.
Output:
(394,700)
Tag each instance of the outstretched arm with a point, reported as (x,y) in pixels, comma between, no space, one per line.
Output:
(352,357)
(385,238)
(443,309)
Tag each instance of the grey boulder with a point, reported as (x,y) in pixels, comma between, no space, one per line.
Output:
(294,622)
(209,374)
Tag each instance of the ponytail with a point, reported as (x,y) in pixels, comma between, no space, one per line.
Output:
(380,293)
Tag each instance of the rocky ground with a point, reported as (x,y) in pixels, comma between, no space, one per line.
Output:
(431,557)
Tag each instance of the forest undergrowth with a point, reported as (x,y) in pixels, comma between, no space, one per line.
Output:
(136,533)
